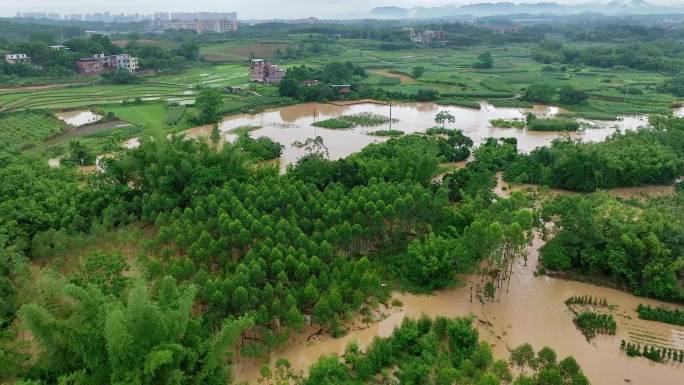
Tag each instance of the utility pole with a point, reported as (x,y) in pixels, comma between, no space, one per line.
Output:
(390,106)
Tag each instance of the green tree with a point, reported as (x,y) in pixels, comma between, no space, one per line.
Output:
(523,356)
(208,102)
(539,93)
(417,72)
(484,60)
(444,117)
(571,95)
(80,154)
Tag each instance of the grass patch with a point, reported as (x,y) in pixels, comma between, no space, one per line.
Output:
(553,124)
(509,103)
(507,123)
(121,132)
(350,121)
(467,103)
(244,129)
(387,133)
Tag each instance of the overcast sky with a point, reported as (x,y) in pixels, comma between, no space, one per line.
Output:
(247,9)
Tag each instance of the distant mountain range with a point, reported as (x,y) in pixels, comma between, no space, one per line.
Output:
(614,7)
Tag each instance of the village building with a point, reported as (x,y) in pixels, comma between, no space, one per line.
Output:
(58,48)
(427,36)
(260,70)
(17,58)
(502,29)
(89,66)
(342,89)
(100,62)
(124,62)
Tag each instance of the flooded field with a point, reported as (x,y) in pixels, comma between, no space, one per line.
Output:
(504,189)
(532,311)
(78,118)
(289,124)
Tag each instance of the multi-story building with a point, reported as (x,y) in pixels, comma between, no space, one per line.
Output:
(260,70)
(16,58)
(100,62)
(124,62)
(201,22)
(89,66)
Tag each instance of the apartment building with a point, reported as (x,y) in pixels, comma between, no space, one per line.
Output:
(200,22)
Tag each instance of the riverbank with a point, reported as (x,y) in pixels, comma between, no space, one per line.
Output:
(533,310)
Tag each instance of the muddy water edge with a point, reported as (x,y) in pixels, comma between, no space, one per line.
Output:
(532,311)
(288,125)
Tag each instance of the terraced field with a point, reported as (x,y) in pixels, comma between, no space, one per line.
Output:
(86,96)
(27,128)
(216,76)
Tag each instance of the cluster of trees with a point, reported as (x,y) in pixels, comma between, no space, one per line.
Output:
(311,46)
(160,58)
(262,148)
(598,237)
(661,56)
(408,158)
(89,335)
(591,324)
(662,314)
(484,61)
(209,103)
(281,249)
(440,351)
(47,62)
(334,73)
(652,352)
(546,93)
(645,157)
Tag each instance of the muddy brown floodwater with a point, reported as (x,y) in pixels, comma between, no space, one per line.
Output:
(289,124)
(504,189)
(78,118)
(532,311)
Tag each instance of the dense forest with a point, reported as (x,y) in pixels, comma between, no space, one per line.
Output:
(638,247)
(238,241)
(648,156)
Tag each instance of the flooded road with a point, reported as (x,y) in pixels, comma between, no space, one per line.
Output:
(290,124)
(532,311)
(78,118)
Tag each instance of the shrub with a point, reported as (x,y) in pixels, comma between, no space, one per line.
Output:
(674,316)
(553,124)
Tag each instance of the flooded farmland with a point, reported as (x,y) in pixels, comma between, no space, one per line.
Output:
(532,311)
(78,117)
(294,123)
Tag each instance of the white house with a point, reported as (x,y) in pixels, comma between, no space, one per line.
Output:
(15,58)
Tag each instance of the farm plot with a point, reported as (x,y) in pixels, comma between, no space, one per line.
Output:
(24,129)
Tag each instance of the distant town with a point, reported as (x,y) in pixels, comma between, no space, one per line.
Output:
(200,22)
